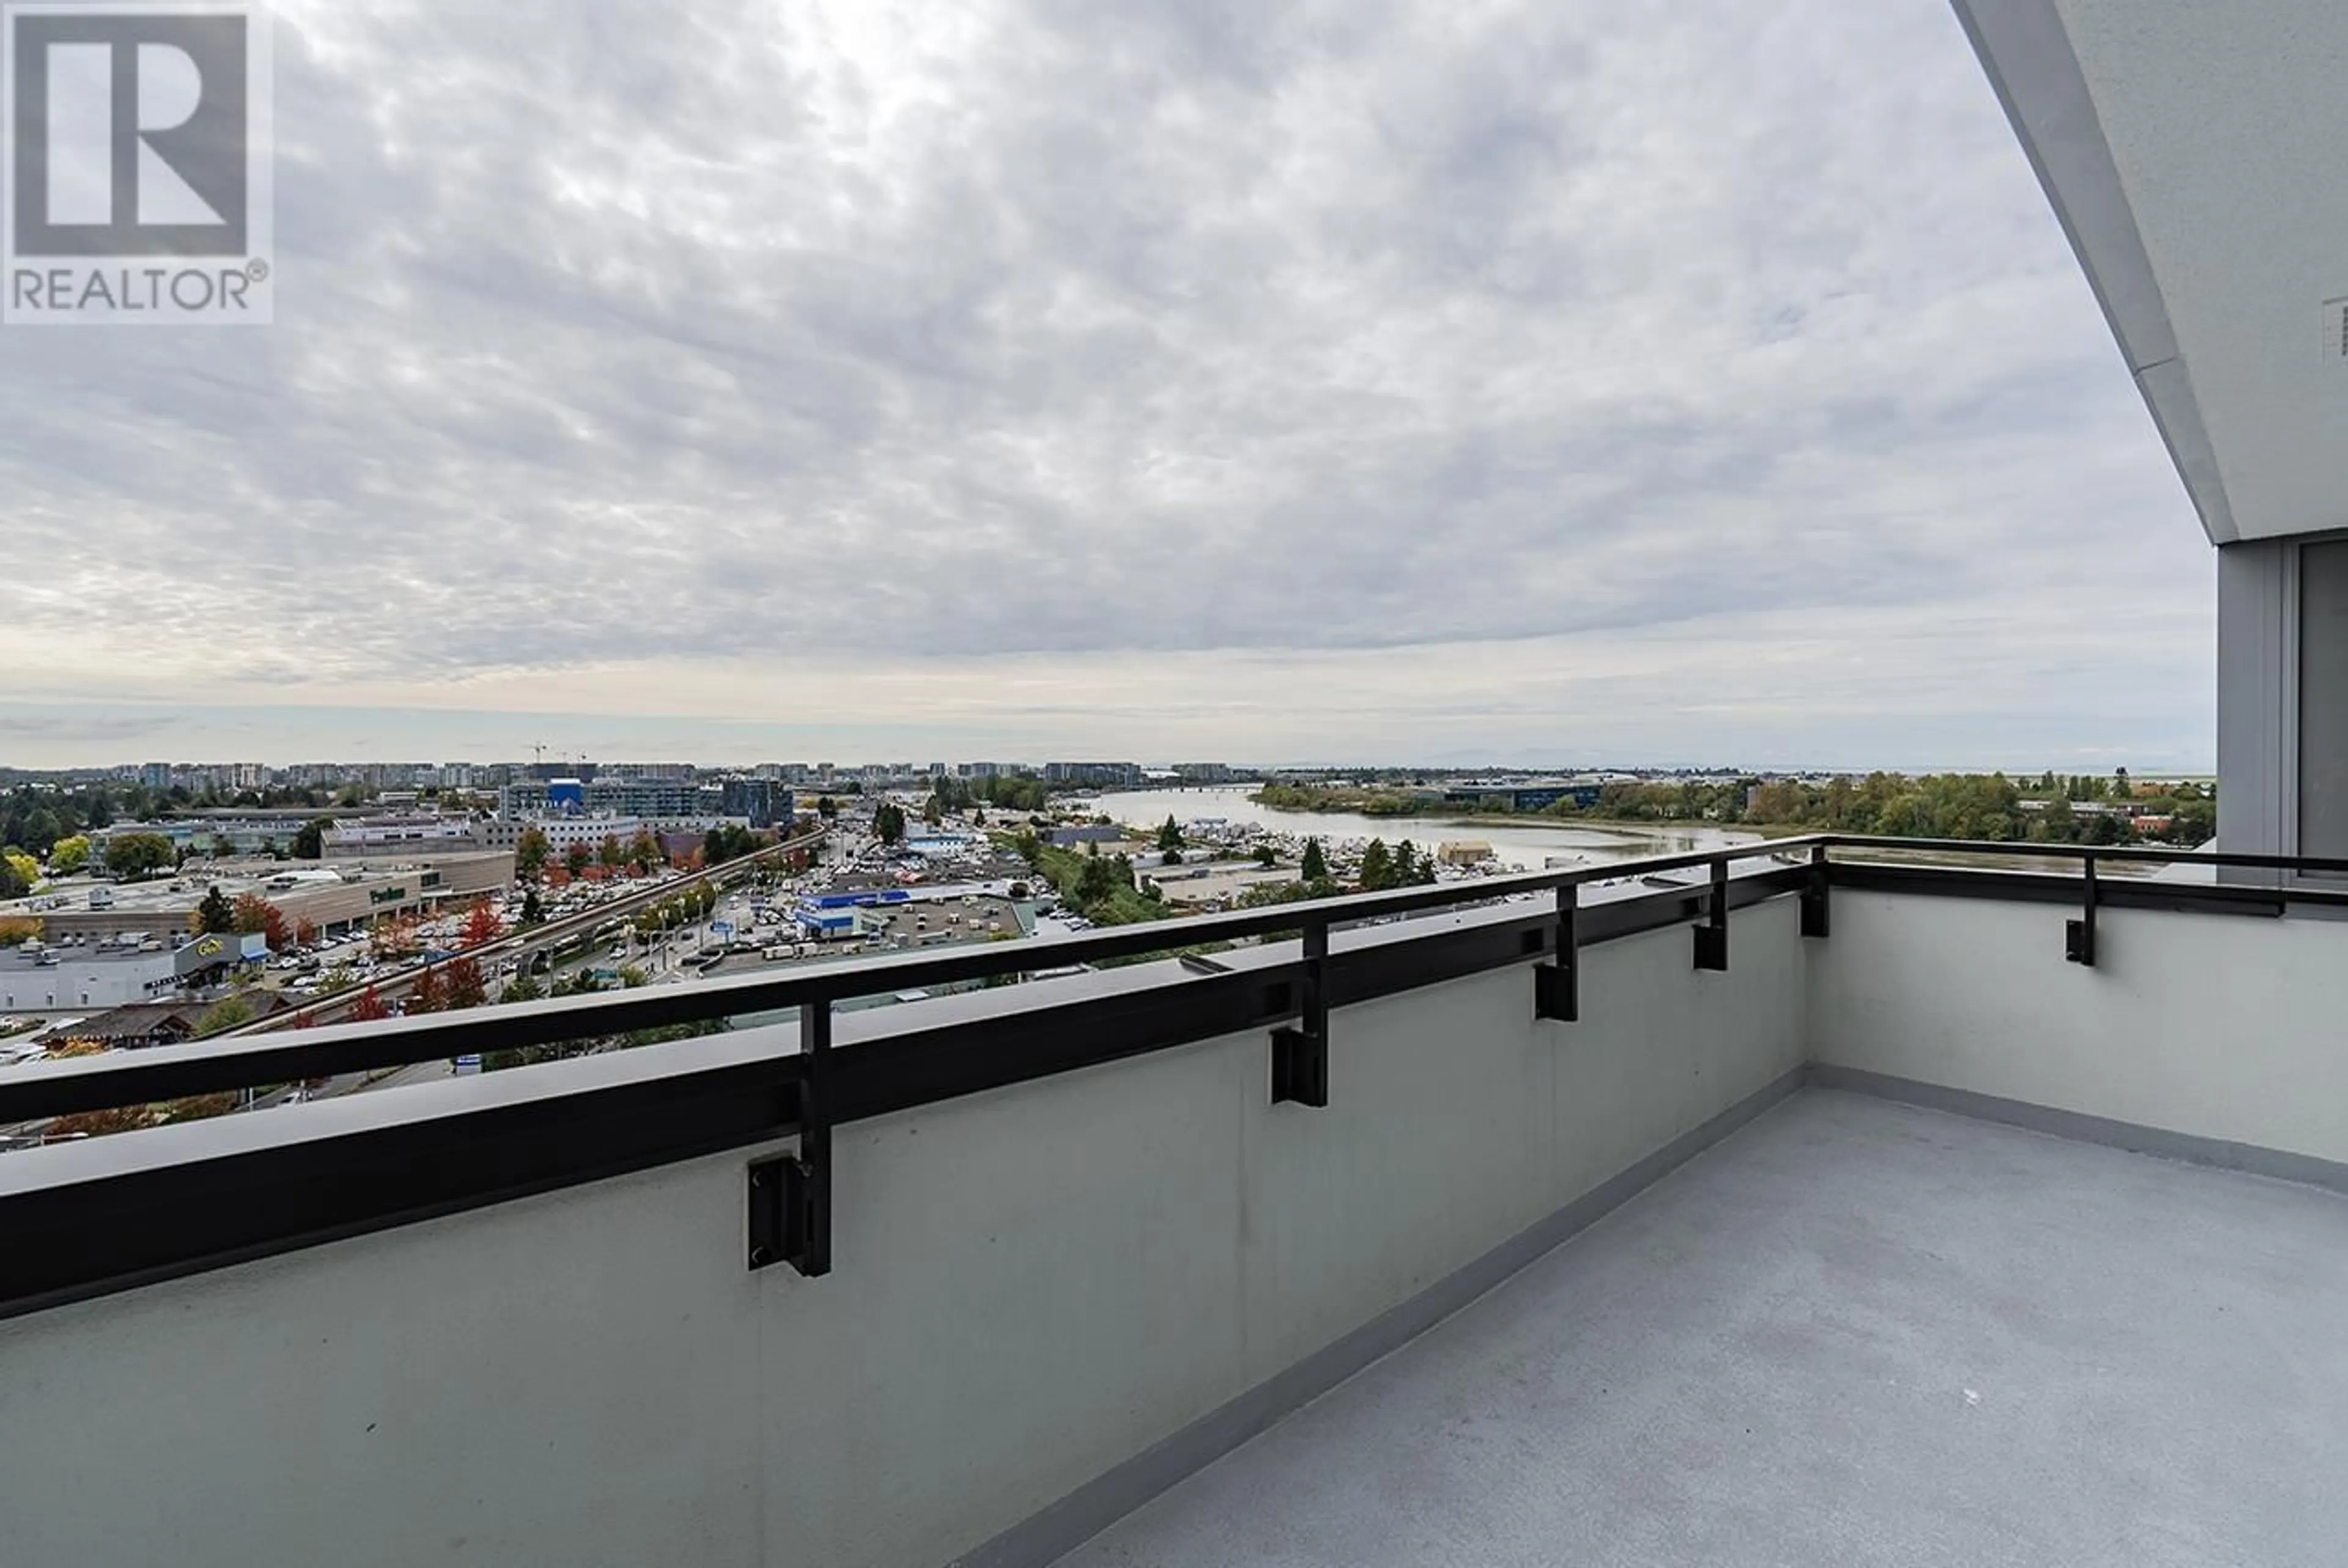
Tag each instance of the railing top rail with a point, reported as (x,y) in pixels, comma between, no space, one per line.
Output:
(43,1089)
(2115,852)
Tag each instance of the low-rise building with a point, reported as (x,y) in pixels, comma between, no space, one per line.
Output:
(340,899)
(562,832)
(159,1022)
(38,977)
(407,836)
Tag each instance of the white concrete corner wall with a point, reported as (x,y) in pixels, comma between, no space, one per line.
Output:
(2221,1028)
(1031,1286)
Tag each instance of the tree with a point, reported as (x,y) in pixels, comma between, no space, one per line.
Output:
(481,924)
(227,1013)
(1030,848)
(2121,788)
(368,1008)
(889,823)
(1378,866)
(465,987)
(426,995)
(17,873)
(533,913)
(643,852)
(609,854)
(1096,882)
(306,932)
(577,859)
(98,1124)
(826,807)
(1170,838)
(1406,864)
(69,857)
(522,988)
(530,851)
(131,855)
(214,914)
(252,913)
(310,844)
(930,812)
(1316,868)
(1266,856)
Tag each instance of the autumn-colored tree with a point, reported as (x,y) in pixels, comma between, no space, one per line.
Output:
(643,854)
(482,925)
(198,1107)
(558,878)
(426,996)
(16,930)
(305,931)
(98,1124)
(576,859)
(465,988)
(530,852)
(370,1008)
(392,935)
(253,913)
(65,1050)
(610,854)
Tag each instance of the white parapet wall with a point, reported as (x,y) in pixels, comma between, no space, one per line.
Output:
(1032,1287)
(2225,1029)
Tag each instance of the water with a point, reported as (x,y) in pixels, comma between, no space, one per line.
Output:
(1527,843)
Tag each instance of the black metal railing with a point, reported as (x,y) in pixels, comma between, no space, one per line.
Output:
(120,1211)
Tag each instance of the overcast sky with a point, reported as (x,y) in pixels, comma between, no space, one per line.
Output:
(1685,380)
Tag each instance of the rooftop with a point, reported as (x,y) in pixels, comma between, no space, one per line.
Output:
(1395,1229)
(1855,1331)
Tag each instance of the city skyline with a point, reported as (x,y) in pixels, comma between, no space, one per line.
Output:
(1316,383)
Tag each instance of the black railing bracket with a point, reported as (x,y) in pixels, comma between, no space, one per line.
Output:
(1557,985)
(1300,1054)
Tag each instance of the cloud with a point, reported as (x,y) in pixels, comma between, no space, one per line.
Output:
(879,344)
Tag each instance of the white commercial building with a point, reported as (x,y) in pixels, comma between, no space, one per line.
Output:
(37,978)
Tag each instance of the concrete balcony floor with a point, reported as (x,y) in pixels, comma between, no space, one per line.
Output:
(1854,1332)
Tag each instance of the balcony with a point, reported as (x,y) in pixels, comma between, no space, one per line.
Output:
(1711,1221)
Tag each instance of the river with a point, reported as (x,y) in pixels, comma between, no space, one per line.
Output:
(1524,841)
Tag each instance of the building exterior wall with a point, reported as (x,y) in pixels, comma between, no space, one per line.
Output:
(2216,1026)
(421,836)
(2258,760)
(562,832)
